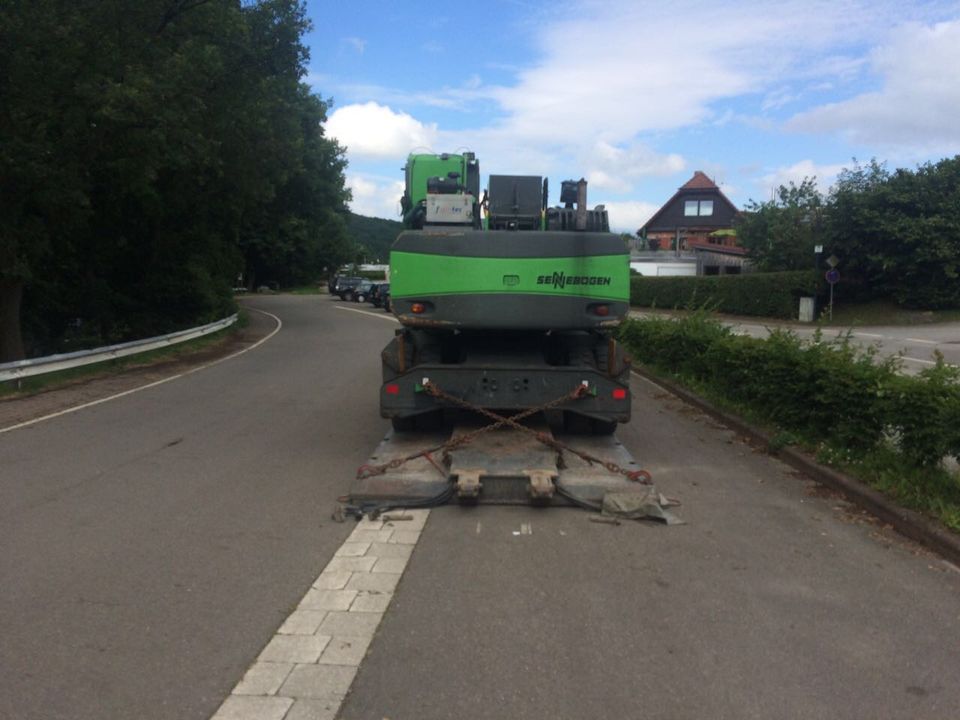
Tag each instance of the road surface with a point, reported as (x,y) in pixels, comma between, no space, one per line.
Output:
(151,546)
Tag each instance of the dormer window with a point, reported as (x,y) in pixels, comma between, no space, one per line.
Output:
(694,208)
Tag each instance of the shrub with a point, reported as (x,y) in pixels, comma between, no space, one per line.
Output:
(763,294)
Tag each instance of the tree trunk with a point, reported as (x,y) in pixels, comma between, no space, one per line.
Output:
(11,342)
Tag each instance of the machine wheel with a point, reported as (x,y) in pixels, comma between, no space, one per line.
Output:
(406,424)
(577,424)
(604,427)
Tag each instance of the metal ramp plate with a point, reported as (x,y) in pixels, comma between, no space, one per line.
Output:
(503,466)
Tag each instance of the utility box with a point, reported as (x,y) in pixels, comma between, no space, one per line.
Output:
(808,307)
(450,209)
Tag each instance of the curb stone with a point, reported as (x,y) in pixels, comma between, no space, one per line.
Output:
(911,524)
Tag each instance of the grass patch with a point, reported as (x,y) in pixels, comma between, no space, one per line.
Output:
(51,381)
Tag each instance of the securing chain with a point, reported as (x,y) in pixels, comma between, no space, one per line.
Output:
(365,471)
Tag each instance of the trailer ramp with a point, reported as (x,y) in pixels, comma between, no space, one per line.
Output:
(504,466)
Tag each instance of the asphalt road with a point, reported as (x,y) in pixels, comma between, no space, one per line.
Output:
(150,546)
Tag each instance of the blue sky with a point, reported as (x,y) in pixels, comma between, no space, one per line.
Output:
(636,96)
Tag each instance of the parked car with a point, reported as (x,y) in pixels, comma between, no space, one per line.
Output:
(360,293)
(385,299)
(341,285)
(376,293)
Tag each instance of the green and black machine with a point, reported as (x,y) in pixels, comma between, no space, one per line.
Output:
(505,302)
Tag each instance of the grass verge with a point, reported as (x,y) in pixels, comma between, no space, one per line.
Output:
(51,381)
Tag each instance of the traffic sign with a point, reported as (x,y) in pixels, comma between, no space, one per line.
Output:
(832,276)
(833,261)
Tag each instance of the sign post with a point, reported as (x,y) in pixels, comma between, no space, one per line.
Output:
(833,277)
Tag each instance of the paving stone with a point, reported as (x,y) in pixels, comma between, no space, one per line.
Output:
(371,602)
(362,535)
(384,550)
(360,564)
(302,622)
(352,549)
(345,651)
(326,682)
(367,524)
(328,599)
(334,579)
(405,537)
(263,678)
(295,648)
(350,624)
(305,709)
(252,707)
(380,582)
(390,565)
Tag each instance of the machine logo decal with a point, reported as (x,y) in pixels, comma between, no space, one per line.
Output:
(561,280)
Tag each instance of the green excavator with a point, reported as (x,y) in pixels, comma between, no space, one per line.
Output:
(505,302)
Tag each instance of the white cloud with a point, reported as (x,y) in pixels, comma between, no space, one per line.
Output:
(358,44)
(613,167)
(917,106)
(372,130)
(627,216)
(825,175)
(374,196)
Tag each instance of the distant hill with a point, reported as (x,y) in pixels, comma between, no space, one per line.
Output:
(375,234)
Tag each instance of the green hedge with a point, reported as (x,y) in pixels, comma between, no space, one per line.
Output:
(854,405)
(763,294)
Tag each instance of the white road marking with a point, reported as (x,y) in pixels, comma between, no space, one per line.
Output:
(525,529)
(389,318)
(921,340)
(873,335)
(308,666)
(925,362)
(479,527)
(153,384)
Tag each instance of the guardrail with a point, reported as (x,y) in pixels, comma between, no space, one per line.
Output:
(19,369)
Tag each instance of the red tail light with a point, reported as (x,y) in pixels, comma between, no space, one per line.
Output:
(392,389)
(417,308)
(619,394)
(602,310)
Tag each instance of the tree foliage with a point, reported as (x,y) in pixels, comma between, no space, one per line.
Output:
(151,154)
(896,234)
(899,232)
(780,234)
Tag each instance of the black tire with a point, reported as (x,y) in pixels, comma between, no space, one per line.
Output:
(348,296)
(604,427)
(360,298)
(406,424)
(576,424)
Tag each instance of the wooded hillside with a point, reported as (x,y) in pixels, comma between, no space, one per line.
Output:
(154,155)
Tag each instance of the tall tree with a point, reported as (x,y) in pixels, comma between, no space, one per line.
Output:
(780,234)
(899,232)
(150,151)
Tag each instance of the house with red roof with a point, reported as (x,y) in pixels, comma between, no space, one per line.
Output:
(698,217)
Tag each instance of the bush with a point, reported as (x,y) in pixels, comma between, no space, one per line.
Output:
(763,294)
(856,407)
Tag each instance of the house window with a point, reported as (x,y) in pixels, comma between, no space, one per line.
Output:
(693,208)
